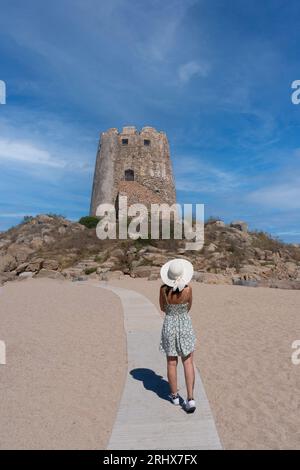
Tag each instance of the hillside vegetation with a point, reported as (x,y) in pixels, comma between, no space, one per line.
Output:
(52,246)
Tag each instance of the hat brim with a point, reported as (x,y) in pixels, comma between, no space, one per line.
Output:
(188,272)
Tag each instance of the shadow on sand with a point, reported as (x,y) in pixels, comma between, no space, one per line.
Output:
(153,382)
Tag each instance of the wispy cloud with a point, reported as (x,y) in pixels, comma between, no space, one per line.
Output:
(14,214)
(220,92)
(192,69)
(28,153)
(289,233)
(277,181)
(198,175)
(38,141)
(285,196)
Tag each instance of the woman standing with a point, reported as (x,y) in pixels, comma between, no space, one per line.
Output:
(177,336)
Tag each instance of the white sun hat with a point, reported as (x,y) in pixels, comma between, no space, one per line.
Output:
(176,273)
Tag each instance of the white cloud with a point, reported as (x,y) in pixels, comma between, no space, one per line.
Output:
(28,153)
(193,68)
(290,233)
(193,174)
(14,214)
(282,196)
(45,146)
(159,37)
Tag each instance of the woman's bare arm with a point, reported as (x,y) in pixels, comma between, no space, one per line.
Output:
(190,297)
(161,300)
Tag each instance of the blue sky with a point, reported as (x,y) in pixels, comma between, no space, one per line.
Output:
(215,75)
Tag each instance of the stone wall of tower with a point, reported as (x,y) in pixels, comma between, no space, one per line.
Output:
(150,164)
(104,175)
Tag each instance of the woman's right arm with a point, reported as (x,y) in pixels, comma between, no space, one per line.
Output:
(161,300)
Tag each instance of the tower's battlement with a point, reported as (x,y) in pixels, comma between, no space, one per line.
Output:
(130,130)
(133,156)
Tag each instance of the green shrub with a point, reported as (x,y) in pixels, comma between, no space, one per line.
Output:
(27,218)
(100,258)
(90,270)
(89,221)
(55,216)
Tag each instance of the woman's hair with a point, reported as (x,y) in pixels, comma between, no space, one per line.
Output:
(168,288)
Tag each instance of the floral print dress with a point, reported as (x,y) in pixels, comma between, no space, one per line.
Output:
(177,335)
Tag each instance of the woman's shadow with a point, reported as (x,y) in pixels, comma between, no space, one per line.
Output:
(152,381)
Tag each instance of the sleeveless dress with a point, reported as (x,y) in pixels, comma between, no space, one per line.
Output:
(177,335)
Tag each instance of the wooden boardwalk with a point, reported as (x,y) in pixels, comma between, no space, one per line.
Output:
(146,419)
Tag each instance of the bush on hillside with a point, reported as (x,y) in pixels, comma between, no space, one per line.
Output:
(53,215)
(26,219)
(265,241)
(89,221)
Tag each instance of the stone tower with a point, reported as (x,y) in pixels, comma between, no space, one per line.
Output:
(135,164)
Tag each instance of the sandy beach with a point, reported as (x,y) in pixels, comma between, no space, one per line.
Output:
(244,356)
(66,363)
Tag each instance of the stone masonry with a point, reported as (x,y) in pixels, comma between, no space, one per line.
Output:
(133,163)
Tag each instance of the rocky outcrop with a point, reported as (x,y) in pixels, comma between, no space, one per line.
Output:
(7,263)
(48,246)
(240,225)
(50,273)
(212,278)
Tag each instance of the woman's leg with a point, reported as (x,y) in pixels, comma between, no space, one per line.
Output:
(189,374)
(172,362)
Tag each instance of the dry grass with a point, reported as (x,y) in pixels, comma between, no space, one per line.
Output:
(265,241)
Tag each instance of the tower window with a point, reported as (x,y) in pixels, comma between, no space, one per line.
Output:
(146,142)
(129,175)
(124,141)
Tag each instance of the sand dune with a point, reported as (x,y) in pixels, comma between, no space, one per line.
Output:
(66,363)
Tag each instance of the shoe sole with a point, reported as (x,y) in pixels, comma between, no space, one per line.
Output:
(191,410)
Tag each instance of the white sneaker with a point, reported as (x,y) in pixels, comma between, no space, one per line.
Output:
(190,406)
(174,399)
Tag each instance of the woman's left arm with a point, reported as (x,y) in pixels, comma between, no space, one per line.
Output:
(190,297)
